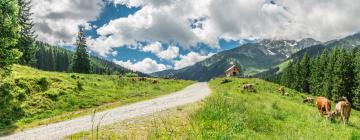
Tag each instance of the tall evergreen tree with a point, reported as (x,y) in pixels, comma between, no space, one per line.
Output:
(304,73)
(81,61)
(328,76)
(8,35)
(314,80)
(318,68)
(356,89)
(27,38)
(286,77)
(343,76)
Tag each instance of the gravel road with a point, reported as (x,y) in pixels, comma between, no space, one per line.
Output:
(190,94)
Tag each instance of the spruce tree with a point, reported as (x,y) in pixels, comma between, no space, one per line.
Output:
(27,38)
(342,76)
(328,77)
(304,74)
(297,77)
(286,76)
(81,61)
(9,30)
(356,89)
(315,76)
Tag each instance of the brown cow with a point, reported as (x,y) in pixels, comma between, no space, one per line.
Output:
(282,90)
(342,109)
(323,105)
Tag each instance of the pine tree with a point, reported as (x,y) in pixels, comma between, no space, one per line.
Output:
(356,89)
(304,74)
(27,38)
(297,77)
(342,76)
(287,75)
(328,76)
(315,76)
(8,35)
(81,61)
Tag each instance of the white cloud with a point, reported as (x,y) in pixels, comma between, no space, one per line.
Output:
(190,59)
(58,20)
(189,22)
(146,66)
(156,48)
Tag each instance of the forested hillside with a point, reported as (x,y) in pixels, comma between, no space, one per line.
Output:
(333,75)
(52,58)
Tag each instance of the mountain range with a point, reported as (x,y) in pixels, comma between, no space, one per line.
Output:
(252,58)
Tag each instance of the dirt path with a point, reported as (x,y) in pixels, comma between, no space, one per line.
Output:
(55,131)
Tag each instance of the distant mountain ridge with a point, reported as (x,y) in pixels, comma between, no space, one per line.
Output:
(349,42)
(252,58)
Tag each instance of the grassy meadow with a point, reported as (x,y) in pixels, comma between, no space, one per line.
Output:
(230,113)
(48,97)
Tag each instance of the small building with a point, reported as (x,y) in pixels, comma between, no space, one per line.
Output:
(233,71)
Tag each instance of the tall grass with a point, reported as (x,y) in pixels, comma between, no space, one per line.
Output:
(230,113)
(53,96)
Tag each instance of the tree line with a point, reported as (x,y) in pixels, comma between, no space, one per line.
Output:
(331,74)
(53,58)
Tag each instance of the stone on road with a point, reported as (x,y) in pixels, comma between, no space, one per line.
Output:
(190,94)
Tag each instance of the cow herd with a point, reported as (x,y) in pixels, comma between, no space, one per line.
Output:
(342,108)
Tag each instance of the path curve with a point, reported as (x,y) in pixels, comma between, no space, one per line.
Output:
(55,131)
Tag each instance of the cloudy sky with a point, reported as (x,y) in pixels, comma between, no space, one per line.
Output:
(154,35)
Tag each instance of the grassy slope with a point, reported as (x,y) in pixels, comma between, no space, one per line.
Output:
(63,100)
(232,114)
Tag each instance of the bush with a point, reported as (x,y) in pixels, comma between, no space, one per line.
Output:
(79,86)
(9,105)
(73,76)
(44,84)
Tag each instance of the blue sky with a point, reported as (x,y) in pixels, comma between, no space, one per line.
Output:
(125,53)
(154,35)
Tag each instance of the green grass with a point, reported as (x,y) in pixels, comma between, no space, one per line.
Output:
(252,71)
(230,113)
(52,96)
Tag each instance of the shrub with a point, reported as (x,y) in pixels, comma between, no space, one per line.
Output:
(43,83)
(9,105)
(79,86)
(73,76)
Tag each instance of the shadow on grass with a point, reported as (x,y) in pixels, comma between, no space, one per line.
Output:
(8,130)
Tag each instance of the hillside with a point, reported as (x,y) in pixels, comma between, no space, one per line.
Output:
(53,58)
(38,97)
(252,58)
(234,114)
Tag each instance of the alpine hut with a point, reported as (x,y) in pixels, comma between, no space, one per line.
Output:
(232,71)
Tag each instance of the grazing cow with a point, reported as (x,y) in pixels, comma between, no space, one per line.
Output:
(249,87)
(282,90)
(155,82)
(323,105)
(342,109)
(308,100)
